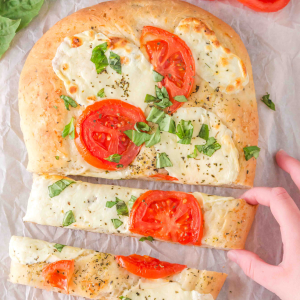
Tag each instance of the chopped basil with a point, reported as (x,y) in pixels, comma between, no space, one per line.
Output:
(167,124)
(119,166)
(69,129)
(68,101)
(57,187)
(55,106)
(131,201)
(117,223)
(161,93)
(165,102)
(204,132)
(124,298)
(138,137)
(185,131)
(148,238)
(110,204)
(68,218)
(101,93)
(156,115)
(251,151)
(59,247)
(122,209)
(154,139)
(180,98)
(114,158)
(150,98)
(266,100)
(161,99)
(162,160)
(99,58)
(57,157)
(210,147)
(193,155)
(157,77)
(141,126)
(115,62)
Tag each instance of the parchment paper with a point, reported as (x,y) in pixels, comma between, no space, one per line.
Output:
(273,42)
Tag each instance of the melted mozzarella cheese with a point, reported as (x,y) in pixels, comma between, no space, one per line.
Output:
(214,63)
(72,64)
(221,168)
(162,290)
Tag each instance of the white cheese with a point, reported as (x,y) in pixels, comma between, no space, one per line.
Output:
(72,64)
(213,62)
(221,168)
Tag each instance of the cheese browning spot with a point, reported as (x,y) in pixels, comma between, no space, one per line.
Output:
(76,42)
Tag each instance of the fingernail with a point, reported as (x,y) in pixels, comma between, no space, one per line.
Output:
(232,256)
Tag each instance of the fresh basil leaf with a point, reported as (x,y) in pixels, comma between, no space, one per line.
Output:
(180,98)
(20,9)
(57,157)
(68,101)
(210,147)
(148,238)
(114,158)
(138,138)
(115,62)
(68,218)
(162,160)
(141,126)
(59,247)
(185,131)
(167,124)
(150,98)
(124,298)
(131,201)
(251,151)
(164,92)
(193,155)
(99,58)
(119,166)
(266,100)
(154,139)
(165,102)
(110,204)
(122,209)
(159,93)
(101,93)
(69,129)
(204,132)
(117,223)
(155,115)
(57,187)
(157,77)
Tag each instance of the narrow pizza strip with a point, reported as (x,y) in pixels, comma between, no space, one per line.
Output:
(185,218)
(95,275)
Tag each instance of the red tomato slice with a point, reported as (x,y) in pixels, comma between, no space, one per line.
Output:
(169,216)
(148,267)
(99,133)
(265,5)
(172,58)
(59,273)
(163,177)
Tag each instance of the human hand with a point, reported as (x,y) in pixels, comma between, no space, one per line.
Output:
(284,279)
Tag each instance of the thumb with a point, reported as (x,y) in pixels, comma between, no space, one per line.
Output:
(255,268)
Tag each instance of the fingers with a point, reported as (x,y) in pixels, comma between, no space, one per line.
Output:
(290,165)
(255,268)
(259,195)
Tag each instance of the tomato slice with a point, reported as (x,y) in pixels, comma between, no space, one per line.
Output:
(172,58)
(148,267)
(100,133)
(265,5)
(169,216)
(163,177)
(59,274)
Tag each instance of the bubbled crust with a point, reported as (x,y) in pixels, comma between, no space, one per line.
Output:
(40,88)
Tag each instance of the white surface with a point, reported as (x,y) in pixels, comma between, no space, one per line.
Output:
(273,43)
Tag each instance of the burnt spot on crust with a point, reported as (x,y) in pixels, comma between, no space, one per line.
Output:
(76,42)
(227,50)
(244,68)
(116,42)
(73,89)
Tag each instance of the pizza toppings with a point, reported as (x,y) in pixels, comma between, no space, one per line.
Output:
(159,177)
(265,5)
(69,129)
(266,100)
(163,161)
(148,267)
(251,151)
(57,187)
(68,218)
(169,216)
(68,101)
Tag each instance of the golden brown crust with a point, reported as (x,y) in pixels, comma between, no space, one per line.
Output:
(40,88)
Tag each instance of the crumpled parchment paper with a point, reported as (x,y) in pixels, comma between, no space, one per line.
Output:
(273,42)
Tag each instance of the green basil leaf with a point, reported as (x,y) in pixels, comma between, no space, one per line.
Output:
(266,99)
(167,124)
(141,126)
(119,166)
(162,160)
(101,93)
(110,204)
(69,129)
(137,137)
(204,132)
(164,92)
(131,201)
(185,131)
(20,9)
(180,98)
(99,58)
(57,187)
(68,101)
(150,98)
(165,102)
(122,209)
(154,139)
(124,298)
(57,157)
(193,155)
(59,247)
(210,147)
(157,77)
(117,223)
(148,238)
(251,151)
(68,218)
(155,115)
(115,62)
(114,158)
(159,93)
